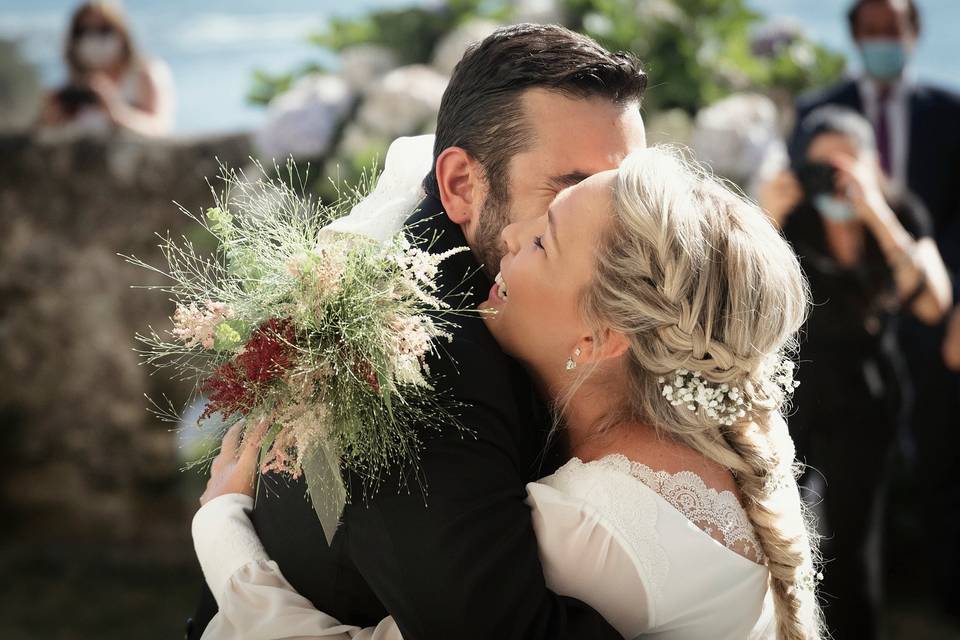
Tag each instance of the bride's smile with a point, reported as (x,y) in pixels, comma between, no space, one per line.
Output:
(547,265)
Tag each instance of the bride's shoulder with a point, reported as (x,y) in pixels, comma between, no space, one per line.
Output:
(579,477)
(651,458)
(598,514)
(605,489)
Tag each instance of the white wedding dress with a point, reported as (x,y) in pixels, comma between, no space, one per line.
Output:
(657,554)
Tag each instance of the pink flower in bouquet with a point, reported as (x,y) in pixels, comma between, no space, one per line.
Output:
(194,326)
(412,340)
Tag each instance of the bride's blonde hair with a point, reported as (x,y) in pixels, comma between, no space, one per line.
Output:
(698,278)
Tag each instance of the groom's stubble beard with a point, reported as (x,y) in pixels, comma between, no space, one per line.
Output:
(490,248)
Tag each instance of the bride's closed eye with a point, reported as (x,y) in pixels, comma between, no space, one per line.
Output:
(538,242)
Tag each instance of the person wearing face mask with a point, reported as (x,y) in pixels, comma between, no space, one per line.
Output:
(111,84)
(918,147)
(870,259)
(917,143)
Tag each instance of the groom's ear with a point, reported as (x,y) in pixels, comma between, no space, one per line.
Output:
(460,180)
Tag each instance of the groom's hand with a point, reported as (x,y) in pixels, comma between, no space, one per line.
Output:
(235,467)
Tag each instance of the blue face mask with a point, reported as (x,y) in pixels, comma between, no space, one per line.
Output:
(883,59)
(834,208)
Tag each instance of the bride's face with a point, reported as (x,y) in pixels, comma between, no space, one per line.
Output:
(548,264)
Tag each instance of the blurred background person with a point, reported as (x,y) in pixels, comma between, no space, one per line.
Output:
(110,82)
(918,145)
(869,257)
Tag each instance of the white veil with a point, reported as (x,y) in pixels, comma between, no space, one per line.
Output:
(399,190)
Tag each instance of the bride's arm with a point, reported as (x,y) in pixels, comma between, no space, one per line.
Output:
(254,599)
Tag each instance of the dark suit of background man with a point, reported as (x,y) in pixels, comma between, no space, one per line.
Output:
(462,561)
(917,128)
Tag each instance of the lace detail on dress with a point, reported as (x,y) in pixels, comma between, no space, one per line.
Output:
(717,513)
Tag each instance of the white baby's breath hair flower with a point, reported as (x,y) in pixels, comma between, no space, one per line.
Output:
(688,389)
(723,402)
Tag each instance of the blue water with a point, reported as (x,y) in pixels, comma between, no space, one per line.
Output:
(213,46)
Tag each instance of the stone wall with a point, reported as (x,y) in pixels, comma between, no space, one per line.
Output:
(82,458)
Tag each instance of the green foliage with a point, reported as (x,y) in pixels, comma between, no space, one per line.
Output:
(698,51)
(412,33)
(803,65)
(266,85)
(695,52)
(345,170)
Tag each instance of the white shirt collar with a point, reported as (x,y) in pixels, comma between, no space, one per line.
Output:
(869,87)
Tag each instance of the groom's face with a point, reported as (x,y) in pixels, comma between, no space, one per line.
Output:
(573,138)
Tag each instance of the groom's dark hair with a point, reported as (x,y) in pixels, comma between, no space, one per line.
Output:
(482,112)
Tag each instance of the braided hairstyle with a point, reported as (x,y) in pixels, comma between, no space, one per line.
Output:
(698,278)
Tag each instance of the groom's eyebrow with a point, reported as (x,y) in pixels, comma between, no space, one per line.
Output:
(568,180)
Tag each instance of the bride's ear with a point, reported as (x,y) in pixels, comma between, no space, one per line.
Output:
(461,186)
(595,349)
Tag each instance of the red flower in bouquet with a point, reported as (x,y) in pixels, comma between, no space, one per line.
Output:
(237,385)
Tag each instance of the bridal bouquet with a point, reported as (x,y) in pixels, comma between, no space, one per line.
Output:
(317,327)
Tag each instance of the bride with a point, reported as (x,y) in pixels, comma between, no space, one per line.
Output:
(653,306)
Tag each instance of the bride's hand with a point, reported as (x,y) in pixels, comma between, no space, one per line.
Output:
(235,467)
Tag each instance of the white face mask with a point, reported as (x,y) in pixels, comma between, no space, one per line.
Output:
(99,51)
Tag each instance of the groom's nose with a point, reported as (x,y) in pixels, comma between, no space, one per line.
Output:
(510,237)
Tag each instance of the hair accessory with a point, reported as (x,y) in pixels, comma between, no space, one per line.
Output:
(807,579)
(776,481)
(720,401)
(723,402)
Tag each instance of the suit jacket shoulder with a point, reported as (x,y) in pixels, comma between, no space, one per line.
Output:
(936,106)
(844,93)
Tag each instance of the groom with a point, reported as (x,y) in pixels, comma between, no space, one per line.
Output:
(529,111)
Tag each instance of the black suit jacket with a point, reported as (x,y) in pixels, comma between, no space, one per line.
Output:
(460,559)
(933,156)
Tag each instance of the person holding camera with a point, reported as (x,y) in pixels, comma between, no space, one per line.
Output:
(111,84)
(869,258)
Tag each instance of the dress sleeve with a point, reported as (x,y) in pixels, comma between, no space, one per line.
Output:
(256,602)
(590,554)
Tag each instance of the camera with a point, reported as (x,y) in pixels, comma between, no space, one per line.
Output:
(816,178)
(73,98)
